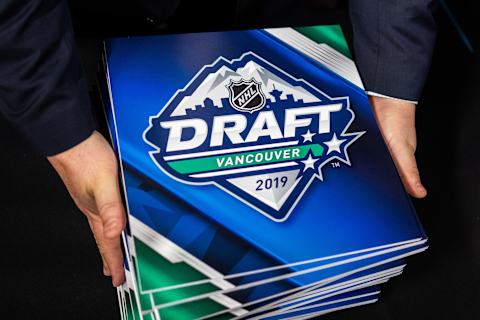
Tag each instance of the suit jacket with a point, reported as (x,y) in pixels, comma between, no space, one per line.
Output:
(44,94)
(393,44)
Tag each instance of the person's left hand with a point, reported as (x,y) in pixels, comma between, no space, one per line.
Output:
(89,171)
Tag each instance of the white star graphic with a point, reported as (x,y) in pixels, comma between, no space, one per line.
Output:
(309,163)
(308,136)
(334,144)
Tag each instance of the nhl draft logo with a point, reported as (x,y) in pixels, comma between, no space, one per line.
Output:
(253,130)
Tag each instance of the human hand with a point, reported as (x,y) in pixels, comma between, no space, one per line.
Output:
(396,120)
(89,171)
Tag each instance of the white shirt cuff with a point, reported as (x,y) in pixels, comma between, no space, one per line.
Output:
(370,93)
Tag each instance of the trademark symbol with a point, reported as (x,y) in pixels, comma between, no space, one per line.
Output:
(335,164)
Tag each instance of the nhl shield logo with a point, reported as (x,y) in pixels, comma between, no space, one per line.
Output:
(253,130)
(246,96)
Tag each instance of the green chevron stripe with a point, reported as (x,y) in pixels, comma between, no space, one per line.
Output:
(331,35)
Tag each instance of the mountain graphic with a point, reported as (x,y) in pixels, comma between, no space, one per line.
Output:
(214,87)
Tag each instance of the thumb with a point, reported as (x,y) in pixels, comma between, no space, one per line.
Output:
(404,158)
(110,207)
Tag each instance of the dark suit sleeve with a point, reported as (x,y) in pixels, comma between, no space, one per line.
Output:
(393,44)
(43,91)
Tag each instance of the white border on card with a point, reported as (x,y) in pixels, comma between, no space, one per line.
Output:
(346,274)
(294,274)
(171,251)
(313,315)
(312,290)
(319,305)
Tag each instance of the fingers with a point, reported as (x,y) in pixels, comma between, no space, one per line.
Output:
(396,121)
(111,252)
(110,206)
(404,158)
(108,232)
(106,270)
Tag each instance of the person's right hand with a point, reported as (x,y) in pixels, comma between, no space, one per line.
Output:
(89,171)
(396,120)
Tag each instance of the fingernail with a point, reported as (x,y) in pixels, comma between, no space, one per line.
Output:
(118,283)
(106,272)
(421,188)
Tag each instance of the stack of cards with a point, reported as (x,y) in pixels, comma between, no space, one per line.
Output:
(256,181)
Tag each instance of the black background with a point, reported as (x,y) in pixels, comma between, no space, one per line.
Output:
(50,268)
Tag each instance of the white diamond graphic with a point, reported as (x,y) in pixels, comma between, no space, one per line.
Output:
(272,190)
